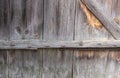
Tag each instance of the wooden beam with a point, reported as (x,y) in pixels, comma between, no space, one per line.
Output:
(110,25)
(35,44)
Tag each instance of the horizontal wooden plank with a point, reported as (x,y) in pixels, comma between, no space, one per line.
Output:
(35,44)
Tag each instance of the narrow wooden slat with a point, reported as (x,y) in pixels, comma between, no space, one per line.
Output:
(109,25)
(35,44)
(15,64)
(58,25)
(32,64)
(4,35)
(3,64)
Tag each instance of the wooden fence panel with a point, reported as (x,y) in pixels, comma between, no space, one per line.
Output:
(55,20)
(95,63)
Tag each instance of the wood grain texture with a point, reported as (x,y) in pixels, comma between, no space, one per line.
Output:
(36,44)
(4,19)
(32,64)
(27,19)
(58,20)
(4,35)
(26,23)
(83,31)
(15,64)
(109,25)
(58,25)
(3,64)
(88,63)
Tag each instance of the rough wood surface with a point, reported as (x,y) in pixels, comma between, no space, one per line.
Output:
(109,25)
(58,25)
(36,44)
(88,63)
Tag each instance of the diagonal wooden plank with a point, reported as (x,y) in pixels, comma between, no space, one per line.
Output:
(109,25)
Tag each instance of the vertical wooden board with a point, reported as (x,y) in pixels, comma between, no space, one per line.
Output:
(32,61)
(27,19)
(4,35)
(33,19)
(3,64)
(57,63)
(64,64)
(16,19)
(49,59)
(59,19)
(4,20)
(15,64)
(89,64)
(27,23)
(51,20)
(58,25)
(113,65)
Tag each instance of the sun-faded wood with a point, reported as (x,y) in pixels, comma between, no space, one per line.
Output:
(3,64)
(36,44)
(15,64)
(26,23)
(58,25)
(4,19)
(113,66)
(85,64)
(88,63)
(109,25)
(57,63)
(83,31)
(32,61)
(27,19)
(4,35)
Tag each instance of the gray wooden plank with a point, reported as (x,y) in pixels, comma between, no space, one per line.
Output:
(17,24)
(58,25)
(25,64)
(4,20)
(3,64)
(36,44)
(4,35)
(15,64)
(27,19)
(57,63)
(89,64)
(32,61)
(58,19)
(113,66)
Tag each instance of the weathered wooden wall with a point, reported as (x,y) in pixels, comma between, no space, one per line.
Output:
(53,20)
